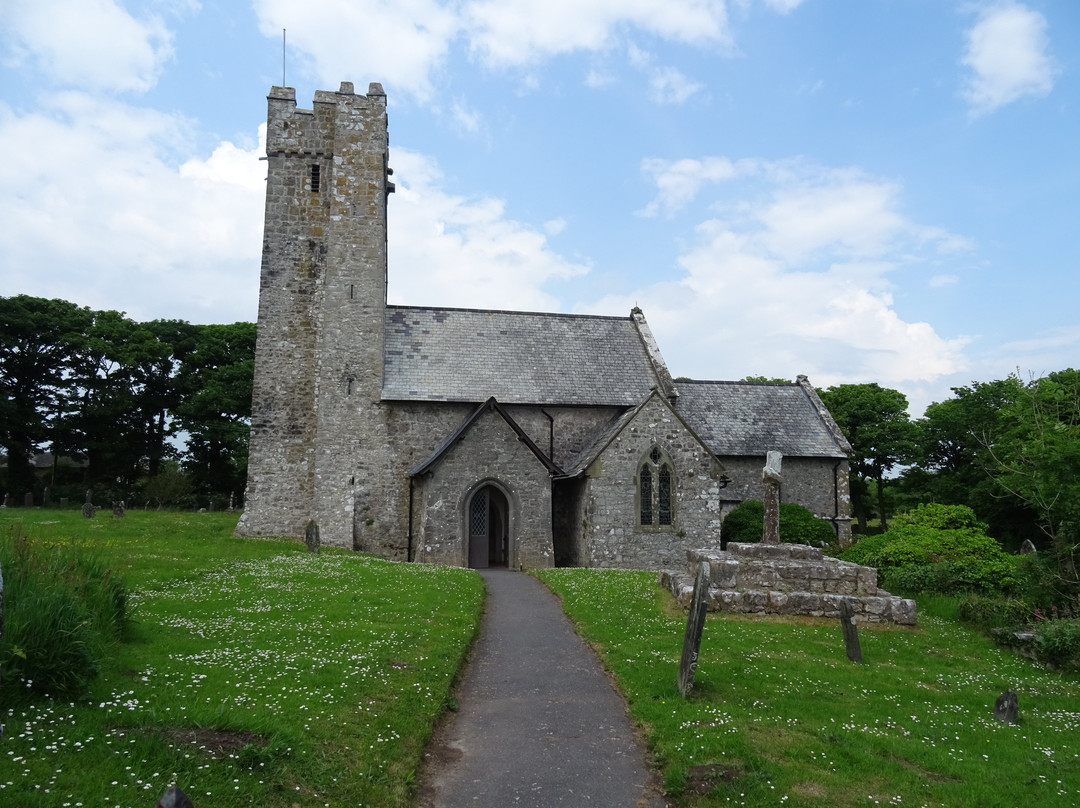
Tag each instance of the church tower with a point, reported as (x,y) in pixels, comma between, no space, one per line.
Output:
(322,297)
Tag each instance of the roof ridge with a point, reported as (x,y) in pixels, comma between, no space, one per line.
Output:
(565,315)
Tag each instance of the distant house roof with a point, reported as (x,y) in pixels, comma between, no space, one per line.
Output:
(438,354)
(751,418)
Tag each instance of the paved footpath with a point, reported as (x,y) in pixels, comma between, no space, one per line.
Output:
(538,722)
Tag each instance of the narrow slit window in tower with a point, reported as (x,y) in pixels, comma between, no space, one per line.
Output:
(314,178)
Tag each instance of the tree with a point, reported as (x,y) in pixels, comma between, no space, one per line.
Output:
(875,421)
(1037,460)
(38,343)
(216,378)
(953,462)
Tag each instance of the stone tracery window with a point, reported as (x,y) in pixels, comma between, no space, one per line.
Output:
(655,491)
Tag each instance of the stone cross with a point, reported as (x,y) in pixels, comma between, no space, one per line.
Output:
(771,478)
(694,625)
(851,633)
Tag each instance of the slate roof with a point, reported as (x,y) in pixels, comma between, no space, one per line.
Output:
(440,354)
(751,418)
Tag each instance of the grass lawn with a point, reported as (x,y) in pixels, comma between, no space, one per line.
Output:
(258,674)
(779,716)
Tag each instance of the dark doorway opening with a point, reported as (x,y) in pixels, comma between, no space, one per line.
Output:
(489,529)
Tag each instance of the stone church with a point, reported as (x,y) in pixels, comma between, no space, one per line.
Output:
(473,437)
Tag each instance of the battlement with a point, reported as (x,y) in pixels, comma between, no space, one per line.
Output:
(295,130)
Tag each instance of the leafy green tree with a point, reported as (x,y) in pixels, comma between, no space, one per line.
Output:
(875,421)
(38,343)
(1037,460)
(216,379)
(954,466)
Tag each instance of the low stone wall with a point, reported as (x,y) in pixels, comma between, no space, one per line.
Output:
(793,579)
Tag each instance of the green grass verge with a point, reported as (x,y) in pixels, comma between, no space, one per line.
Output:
(779,716)
(258,674)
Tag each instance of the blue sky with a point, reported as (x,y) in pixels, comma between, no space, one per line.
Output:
(884,190)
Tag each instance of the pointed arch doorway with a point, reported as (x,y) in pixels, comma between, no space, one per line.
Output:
(489,528)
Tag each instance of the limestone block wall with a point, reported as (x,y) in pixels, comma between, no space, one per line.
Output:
(489,453)
(573,428)
(612,536)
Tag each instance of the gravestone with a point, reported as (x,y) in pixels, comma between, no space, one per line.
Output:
(694,624)
(1027,547)
(174,798)
(46,497)
(1007,708)
(311,536)
(118,509)
(88,509)
(851,632)
(28,499)
(771,477)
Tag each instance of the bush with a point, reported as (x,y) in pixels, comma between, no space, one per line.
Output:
(797,525)
(989,612)
(62,610)
(1057,642)
(946,550)
(866,549)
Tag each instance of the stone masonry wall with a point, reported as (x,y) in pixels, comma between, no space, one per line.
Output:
(819,484)
(612,535)
(490,452)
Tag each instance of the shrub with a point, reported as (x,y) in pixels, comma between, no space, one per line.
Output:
(1057,642)
(797,525)
(866,549)
(946,549)
(989,612)
(62,610)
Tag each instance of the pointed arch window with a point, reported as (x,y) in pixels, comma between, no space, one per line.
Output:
(656,490)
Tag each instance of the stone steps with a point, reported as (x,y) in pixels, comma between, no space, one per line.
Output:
(792,579)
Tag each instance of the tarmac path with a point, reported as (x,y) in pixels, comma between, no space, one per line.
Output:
(539,723)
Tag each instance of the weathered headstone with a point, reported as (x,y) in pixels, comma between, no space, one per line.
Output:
(232,501)
(88,509)
(174,798)
(118,509)
(28,499)
(46,497)
(695,622)
(311,536)
(771,477)
(1007,708)
(1027,547)
(851,632)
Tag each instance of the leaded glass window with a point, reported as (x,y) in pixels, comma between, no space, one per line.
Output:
(645,495)
(663,496)
(656,490)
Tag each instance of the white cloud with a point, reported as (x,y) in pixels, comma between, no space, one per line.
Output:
(406,42)
(679,181)
(1007,52)
(400,42)
(516,32)
(446,250)
(122,217)
(89,44)
(670,86)
(943,281)
(790,271)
